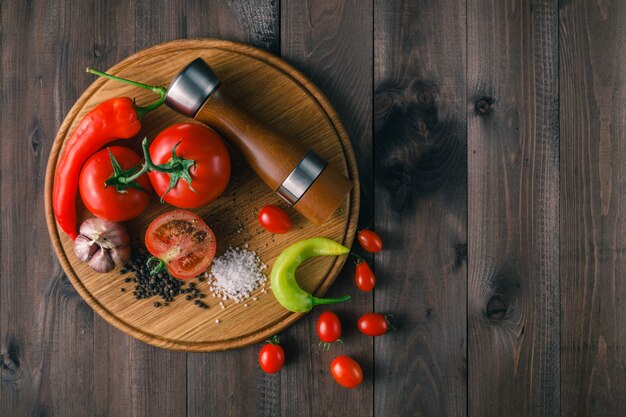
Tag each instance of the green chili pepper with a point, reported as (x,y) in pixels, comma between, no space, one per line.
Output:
(283,276)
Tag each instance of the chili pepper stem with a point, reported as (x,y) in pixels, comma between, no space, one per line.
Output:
(141,111)
(321,301)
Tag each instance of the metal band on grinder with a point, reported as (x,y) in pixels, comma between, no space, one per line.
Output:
(301,178)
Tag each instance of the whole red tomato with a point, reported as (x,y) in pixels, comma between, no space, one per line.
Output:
(271,357)
(370,241)
(274,219)
(209,175)
(374,324)
(106,201)
(364,277)
(346,371)
(328,327)
(183,242)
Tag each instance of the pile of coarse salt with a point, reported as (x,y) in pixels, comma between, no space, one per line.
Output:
(236,274)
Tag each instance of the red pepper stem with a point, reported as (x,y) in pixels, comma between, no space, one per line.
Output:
(320,301)
(141,111)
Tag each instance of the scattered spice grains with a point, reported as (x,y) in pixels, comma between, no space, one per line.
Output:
(236,274)
(162,284)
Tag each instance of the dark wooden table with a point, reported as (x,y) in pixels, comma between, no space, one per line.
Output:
(491,142)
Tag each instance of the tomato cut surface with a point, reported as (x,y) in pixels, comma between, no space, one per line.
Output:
(183,241)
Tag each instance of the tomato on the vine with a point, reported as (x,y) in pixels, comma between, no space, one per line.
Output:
(374,324)
(108,202)
(274,219)
(370,241)
(183,242)
(328,327)
(209,172)
(271,356)
(364,277)
(346,371)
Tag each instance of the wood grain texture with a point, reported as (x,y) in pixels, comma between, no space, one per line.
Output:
(513,136)
(420,155)
(332,43)
(593,199)
(46,330)
(57,358)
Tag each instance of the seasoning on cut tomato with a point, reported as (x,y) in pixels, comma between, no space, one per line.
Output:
(182,242)
(274,219)
(375,324)
(328,328)
(116,118)
(370,241)
(115,203)
(346,371)
(272,356)
(363,276)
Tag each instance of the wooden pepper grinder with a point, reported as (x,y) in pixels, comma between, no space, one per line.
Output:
(303,179)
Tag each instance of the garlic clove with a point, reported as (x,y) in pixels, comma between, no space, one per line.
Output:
(103,243)
(101,261)
(120,255)
(84,248)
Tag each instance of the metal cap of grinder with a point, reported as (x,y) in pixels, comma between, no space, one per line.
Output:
(191,88)
(298,175)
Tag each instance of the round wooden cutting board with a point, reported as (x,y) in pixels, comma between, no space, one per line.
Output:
(277,94)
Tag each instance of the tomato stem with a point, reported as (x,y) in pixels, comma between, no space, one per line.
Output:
(274,340)
(176,168)
(160,265)
(358,258)
(390,320)
(141,111)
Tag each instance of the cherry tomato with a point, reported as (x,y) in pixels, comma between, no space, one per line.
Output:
(374,324)
(370,241)
(107,202)
(182,241)
(274,219)
(328,327)
(210,175)
(346,371)
(364,277)
(271,357)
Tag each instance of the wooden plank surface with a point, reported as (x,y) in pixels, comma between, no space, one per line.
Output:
(46,330)
(331,42)
(420,172)
(504,250)
(513,132)
(225,383)
(593,200)
(114,351)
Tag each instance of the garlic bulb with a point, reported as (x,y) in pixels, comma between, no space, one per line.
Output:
(104,244)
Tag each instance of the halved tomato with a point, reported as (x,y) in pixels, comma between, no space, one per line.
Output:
(183,241)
